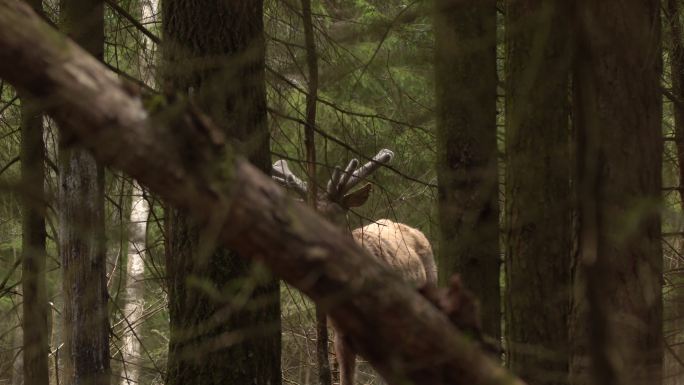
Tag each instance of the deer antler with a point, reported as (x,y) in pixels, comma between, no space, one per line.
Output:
(282,174)
(340,182)
(343,181)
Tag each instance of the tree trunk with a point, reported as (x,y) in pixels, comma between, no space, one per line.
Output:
(465,69)
(673,369)
(215,53)
(617,110)
(137,242)
(17,368)
(322,360)
(56,333)
(135,287)
(82,246)
(402,335)
(538,216)
(34,255)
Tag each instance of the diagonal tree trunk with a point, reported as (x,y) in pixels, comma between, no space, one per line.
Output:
(81,227)
(538,216)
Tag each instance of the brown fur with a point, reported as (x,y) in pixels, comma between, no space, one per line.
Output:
(401,247)
(405,250)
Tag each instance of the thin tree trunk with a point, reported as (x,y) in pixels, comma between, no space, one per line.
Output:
(81,210)
(673,369)
(538,216)
(465,68)
(135,287)
(56,344)
(215,53)
(137,241)
(616,320)
(34,255)
(324,374)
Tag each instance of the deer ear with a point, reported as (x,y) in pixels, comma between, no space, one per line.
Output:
(358,197)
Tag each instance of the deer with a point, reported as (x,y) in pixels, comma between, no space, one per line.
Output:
(402,248)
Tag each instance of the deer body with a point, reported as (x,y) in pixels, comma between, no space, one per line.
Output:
(404,249)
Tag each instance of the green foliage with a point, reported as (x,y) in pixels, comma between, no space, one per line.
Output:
(375,92)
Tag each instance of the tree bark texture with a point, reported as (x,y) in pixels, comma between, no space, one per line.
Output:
(673,369)
(465,70)
(616,320)
(33,237)
(215,54)
(81,228)
(396,329)
(35,303)
(538,196)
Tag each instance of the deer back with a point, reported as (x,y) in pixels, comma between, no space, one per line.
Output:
(403,248)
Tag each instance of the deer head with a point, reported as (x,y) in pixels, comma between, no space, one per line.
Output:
(337,198)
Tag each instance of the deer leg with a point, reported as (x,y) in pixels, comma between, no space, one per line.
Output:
(346,359)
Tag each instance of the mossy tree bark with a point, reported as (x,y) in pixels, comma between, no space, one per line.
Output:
(225,310)
(81,214)
(616,319)
(538,198)
(465,69)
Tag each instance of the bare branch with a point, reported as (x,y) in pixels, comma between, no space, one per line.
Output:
(133,21)
(9,164)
